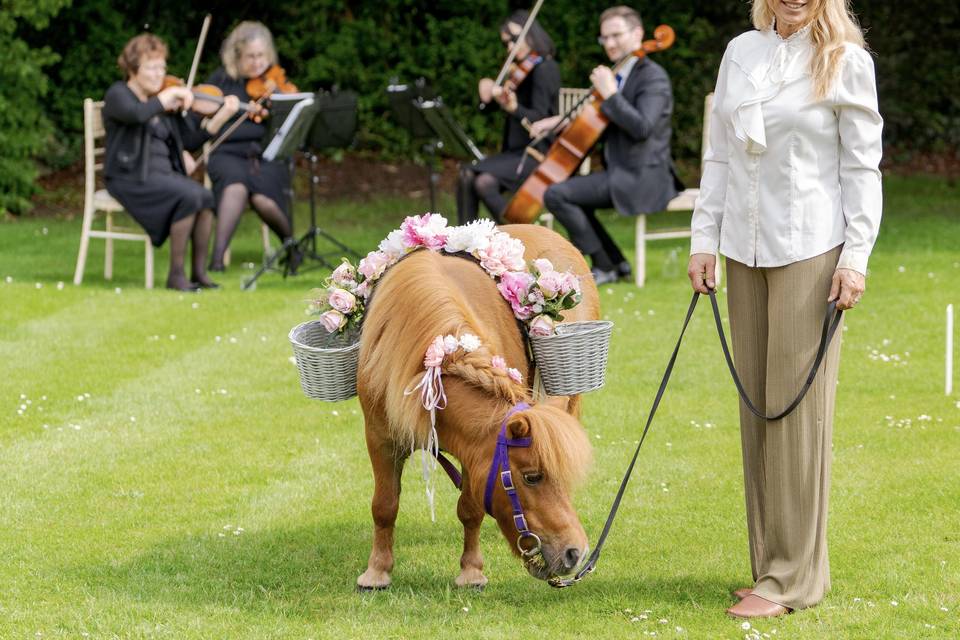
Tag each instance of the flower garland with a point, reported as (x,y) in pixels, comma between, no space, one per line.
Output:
(538,294)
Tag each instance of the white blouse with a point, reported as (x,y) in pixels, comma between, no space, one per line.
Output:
(787,177)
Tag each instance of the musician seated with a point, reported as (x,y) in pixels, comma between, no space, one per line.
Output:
(146,164)
(639,176)
(239,175)
(533,99)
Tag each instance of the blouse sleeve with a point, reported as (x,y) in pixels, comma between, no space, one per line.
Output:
(543,99)
(860,125)
(121,105)
(708,209)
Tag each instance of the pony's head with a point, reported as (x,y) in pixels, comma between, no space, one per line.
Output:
(550,461)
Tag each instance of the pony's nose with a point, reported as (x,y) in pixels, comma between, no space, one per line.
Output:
(570,558)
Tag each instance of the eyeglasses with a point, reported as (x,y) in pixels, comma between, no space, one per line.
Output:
(159,68)
(602,40)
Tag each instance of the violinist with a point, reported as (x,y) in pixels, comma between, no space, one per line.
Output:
(533,99)
(146,164)
(238,173)
(639,176)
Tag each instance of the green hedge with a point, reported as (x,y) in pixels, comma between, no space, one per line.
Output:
(363,44)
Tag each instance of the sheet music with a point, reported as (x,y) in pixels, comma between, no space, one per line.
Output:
(305,100)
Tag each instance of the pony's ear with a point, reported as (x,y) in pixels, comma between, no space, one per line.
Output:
(518,426)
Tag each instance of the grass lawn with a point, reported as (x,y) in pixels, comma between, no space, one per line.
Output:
(162,475)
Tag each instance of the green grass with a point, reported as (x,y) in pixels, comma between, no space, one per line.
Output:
(120,512)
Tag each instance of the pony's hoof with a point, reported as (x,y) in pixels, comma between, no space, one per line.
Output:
(373,581)
(474,579)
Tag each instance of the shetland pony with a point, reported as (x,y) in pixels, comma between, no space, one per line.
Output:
(429,294)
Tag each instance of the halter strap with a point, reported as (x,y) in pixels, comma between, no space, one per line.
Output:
(500,466)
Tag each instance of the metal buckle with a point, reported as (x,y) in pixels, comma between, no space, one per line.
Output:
(534,550)
(506,478)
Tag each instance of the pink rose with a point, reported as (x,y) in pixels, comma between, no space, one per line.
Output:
(363,289)
(569,282)
(373,265)
(541,326)
(502,254)
(434,357)
(333,320)
(551,283)
(343,301)
(498,363)
(344,275)
(514,286)
(515,375)
(428,230)
(542,265)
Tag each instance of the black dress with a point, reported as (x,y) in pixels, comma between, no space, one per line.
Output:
(143,166)
(237,159)
(537,98)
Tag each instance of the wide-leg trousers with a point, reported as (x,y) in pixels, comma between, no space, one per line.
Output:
(776,318)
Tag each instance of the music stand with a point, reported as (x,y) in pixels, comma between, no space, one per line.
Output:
(424,115)
(292,115)
(334,127)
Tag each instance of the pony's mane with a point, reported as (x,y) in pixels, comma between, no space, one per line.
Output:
(414,302)
(559,444)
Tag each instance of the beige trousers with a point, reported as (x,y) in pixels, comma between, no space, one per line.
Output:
(776,317)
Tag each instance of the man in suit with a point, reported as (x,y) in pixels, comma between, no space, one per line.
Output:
(639,176)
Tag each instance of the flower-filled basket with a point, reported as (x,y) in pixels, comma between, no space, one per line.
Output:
(573,360)
(327,361)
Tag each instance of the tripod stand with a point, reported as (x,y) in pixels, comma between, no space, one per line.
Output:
(333,124)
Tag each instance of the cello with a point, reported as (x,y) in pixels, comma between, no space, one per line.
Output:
(572,146)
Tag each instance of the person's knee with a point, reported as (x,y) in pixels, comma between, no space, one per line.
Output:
(553,198)
(486,183)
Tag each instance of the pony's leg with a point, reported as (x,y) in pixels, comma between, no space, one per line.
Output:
(386,502)
(471,562)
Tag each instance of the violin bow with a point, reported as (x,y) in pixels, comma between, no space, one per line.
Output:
(198,51)
(513,50)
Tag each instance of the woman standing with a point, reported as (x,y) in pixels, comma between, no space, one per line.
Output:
(534,99)
(791,196)
(238,172)
(146,162)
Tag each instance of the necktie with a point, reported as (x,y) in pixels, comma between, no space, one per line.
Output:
(619,81)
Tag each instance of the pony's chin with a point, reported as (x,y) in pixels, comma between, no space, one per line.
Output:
(540,571)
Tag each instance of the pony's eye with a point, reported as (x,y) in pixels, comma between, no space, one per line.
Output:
(532,477)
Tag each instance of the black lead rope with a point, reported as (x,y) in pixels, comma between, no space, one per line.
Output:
(831,321)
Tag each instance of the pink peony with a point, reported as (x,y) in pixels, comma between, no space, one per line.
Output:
(428,230)
(502,254)
(434,357)
(373,265)
(342,300)
(498,363)
(542,265)
(541,326)
(514,286)
(515,375)
(333,320)
(394,246)
(569,283)
(363,289)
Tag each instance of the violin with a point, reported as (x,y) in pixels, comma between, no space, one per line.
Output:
(273,80)
(519,71)
(572,146)
(208,98)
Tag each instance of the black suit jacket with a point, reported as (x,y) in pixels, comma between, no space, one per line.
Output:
(637,149)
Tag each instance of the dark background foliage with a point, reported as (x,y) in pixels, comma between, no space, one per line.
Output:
(363,44)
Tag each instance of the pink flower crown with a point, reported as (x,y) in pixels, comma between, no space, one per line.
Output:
(537,293)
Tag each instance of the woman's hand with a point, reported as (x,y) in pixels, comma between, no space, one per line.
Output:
(847,288)
(189,164)
(485,89)
(231,104)
(506,98)
(173,98)
(701,270)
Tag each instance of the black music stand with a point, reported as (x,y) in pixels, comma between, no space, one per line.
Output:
(334,127)
(424,115)
(291,117)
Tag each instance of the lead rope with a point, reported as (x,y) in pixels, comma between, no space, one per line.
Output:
(831,321)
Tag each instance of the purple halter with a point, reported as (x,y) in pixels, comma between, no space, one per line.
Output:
(501,467)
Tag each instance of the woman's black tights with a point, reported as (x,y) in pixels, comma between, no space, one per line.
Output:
(233,201)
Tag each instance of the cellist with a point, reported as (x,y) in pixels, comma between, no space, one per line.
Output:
(535,98)
(639,176)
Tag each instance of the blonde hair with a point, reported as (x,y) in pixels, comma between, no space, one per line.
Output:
(244,33)
(832,25)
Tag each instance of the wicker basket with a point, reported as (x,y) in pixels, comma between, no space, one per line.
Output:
(574,360)
(327,361)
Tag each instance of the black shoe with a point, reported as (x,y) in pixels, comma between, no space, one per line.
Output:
(189,287)
(624,270)
(603,277)
(208,284)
